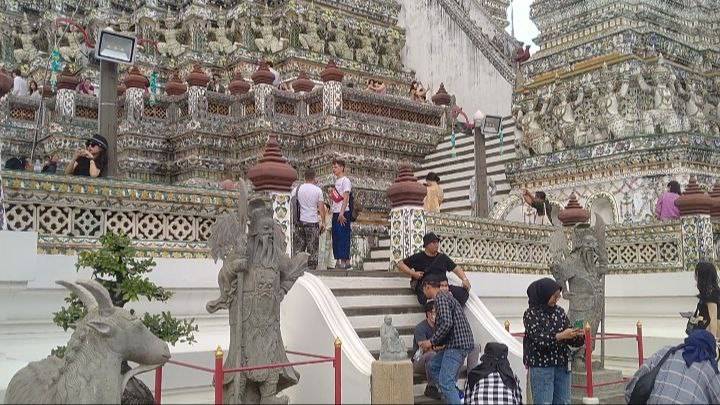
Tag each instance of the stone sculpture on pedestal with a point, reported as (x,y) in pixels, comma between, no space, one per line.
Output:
(256,275)
(581,272)
(90,371)
(391,347)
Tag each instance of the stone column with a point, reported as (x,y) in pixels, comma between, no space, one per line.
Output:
(197,82)
(407,217)
(273,177)
(135,83)
(65,98)
(263,80)
(332,88)
(238,86)
(697,233)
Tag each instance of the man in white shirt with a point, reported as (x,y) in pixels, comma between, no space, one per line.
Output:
(20,85)
(340,197)
(312,218)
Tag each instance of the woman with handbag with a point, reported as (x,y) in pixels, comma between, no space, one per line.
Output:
(706,313)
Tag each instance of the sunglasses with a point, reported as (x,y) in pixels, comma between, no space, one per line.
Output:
(93,143)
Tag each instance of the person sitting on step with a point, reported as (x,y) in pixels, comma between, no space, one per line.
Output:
(424,331)
(430,260)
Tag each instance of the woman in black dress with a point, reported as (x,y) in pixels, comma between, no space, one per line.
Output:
(706,313)
(91,161)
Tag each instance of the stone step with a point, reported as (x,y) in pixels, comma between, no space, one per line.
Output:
(376,265)
(466,154)
(380,253)
(373,343)
(364,280)
(399,320)
(382,309)
(354,292)
(375,331)
(367,301)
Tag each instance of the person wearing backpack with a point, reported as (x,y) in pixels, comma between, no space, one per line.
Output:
(309,214)
(341,215)
(685,374)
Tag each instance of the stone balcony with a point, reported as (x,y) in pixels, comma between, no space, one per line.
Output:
(201,136)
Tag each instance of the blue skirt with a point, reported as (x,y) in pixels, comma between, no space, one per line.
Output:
(341,237)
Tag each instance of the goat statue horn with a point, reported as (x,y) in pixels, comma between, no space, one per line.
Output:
(87,299)
(101,294)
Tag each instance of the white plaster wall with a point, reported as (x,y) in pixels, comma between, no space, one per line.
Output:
(439,51)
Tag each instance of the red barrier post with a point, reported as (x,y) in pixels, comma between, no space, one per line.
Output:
(639,338)
(588,361)
(158,385)
(337,365)
(219,376)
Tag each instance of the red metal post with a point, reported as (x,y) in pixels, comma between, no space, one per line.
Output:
(158,385)
(639,338)
(337,365)
(588,361)
(219,376)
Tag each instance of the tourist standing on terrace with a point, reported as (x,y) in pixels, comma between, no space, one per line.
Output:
(85,87)
(546,350)
(340,197)
(434,195)
(452,339)
(91,161)
(706,313)
(665,208)
(20,85)
(311,219)
(34,91)
(540,202)
(430,260)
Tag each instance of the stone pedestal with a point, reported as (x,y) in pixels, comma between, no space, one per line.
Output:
(607,394)
(392,382)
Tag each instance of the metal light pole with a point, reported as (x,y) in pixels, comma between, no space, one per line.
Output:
(107,114)
(111,48)
(481,191)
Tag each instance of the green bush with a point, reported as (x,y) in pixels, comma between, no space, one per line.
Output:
(116,267)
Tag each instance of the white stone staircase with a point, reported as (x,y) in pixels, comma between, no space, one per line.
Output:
(456,171)
(379,257)
(367,298)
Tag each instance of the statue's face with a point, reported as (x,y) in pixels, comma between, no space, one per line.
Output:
(263,226)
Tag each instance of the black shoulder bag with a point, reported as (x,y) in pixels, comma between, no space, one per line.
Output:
(415,283)
(645,384)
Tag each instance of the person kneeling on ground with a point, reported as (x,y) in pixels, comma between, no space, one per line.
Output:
(424,331)
(430,260)
(493,381)
(689,374)
(452,340)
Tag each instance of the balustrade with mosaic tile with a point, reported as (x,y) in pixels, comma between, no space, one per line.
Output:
(71,213)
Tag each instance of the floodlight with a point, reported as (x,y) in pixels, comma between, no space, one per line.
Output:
(114,47)
(491,125)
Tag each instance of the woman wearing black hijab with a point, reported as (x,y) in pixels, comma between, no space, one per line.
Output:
(493,381)
(546,350)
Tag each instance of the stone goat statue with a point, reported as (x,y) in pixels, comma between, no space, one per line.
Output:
(90,370)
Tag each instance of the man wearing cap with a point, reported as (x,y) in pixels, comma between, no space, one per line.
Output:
(430,260)
(452,338)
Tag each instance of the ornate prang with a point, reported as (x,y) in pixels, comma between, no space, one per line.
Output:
(715,195)
(573,213)
(263,75)
(694,201)
(303,83)
(135,79)
(238,86)
(331,73)
(406,190)
(441,97)
(197,77)
(67,80)
(175,86)
(272,172)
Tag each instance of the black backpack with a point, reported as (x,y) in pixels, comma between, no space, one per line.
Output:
(354,208)
(295,206)
(645,384)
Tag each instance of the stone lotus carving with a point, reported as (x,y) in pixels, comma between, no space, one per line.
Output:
(269,39)
(90,370)
(256,275)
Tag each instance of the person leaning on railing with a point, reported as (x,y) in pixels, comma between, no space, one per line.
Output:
(91,161)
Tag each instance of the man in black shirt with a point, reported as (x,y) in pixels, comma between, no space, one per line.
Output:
(430,260)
